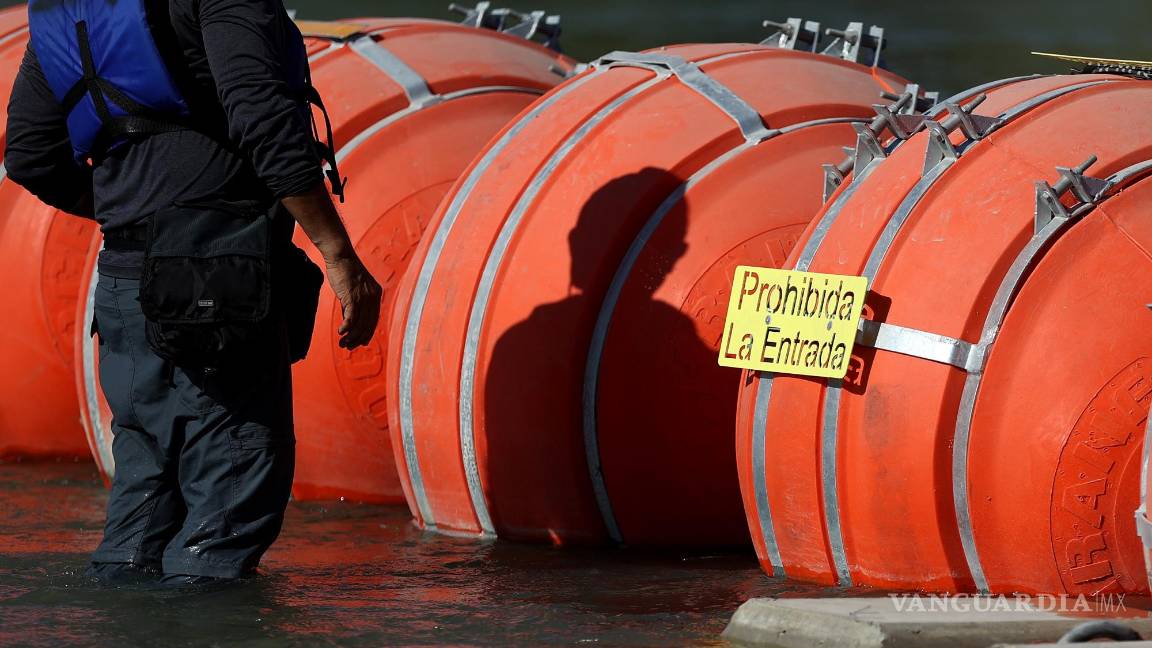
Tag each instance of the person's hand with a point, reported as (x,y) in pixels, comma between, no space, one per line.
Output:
(358,292)
(359,295)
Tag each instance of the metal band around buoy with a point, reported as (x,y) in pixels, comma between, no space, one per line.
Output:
(906,343)
(420,96)
(380,125)
(424,281)
(495,260)
(611,298)
(487,283)
(834,393)
(1143,526)
(689,73)
(414,85)
(23,31)
(91,384)
(1025,260)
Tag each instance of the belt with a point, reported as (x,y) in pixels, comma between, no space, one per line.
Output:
(126,239)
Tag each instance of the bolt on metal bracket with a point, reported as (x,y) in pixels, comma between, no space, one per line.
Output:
(536,26)
(481,16)
(1086,189)
(974,127)
(925,101)
(794,33)
(833,178)
(868,147)
(849,41)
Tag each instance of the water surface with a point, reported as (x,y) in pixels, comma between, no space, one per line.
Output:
(345,574)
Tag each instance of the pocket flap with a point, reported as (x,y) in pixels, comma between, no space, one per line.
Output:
(207,264)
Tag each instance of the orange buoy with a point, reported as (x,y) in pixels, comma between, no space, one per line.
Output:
(554,345)
(43,252)
(986,434)
(411,102)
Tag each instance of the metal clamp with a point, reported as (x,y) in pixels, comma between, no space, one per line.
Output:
(536,26)
(746,117)
(849,41)
(974,127)
(1086,189)
(793,33)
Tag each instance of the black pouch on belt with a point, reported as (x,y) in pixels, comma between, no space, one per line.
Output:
(298,284)
(206,288)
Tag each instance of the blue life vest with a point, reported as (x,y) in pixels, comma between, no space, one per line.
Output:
(101,61)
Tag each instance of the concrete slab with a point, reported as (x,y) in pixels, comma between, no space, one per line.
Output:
(900,622)
(1126,644)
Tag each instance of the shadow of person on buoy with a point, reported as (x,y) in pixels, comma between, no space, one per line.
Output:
(537,477)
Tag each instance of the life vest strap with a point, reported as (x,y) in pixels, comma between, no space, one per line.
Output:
(325,149)
(140,120)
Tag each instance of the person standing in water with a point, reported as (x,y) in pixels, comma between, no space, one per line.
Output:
(185,128)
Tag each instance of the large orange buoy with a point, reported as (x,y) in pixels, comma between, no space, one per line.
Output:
(43,253)
(411,101)
(986,436)
(554,346)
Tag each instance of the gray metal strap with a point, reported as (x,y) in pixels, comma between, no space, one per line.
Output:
(690,74)
(414,85)
(91,386)
(917,343)
(1144,527)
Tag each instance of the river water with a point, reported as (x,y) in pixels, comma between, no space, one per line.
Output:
(345,574)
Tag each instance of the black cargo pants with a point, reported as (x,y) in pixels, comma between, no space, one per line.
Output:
(204,460)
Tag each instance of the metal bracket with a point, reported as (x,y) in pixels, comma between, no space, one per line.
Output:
(925,101)
(1086,189)
(534,26)
(540,27)
(916,343)
(900,124)
(481,16)
(974,127)
(868,147)
(794,32)
(852,38)
(940,147)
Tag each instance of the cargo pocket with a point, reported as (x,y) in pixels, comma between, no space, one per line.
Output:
(263,461)
(253,436)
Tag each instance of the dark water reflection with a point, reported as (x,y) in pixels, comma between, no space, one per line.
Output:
(346,574)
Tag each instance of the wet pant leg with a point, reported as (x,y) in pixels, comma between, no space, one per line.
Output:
(204,460)
(145,508)
(236,466)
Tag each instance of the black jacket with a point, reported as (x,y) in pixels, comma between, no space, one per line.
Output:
(232,50)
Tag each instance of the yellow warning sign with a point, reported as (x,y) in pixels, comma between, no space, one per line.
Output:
(785,321)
